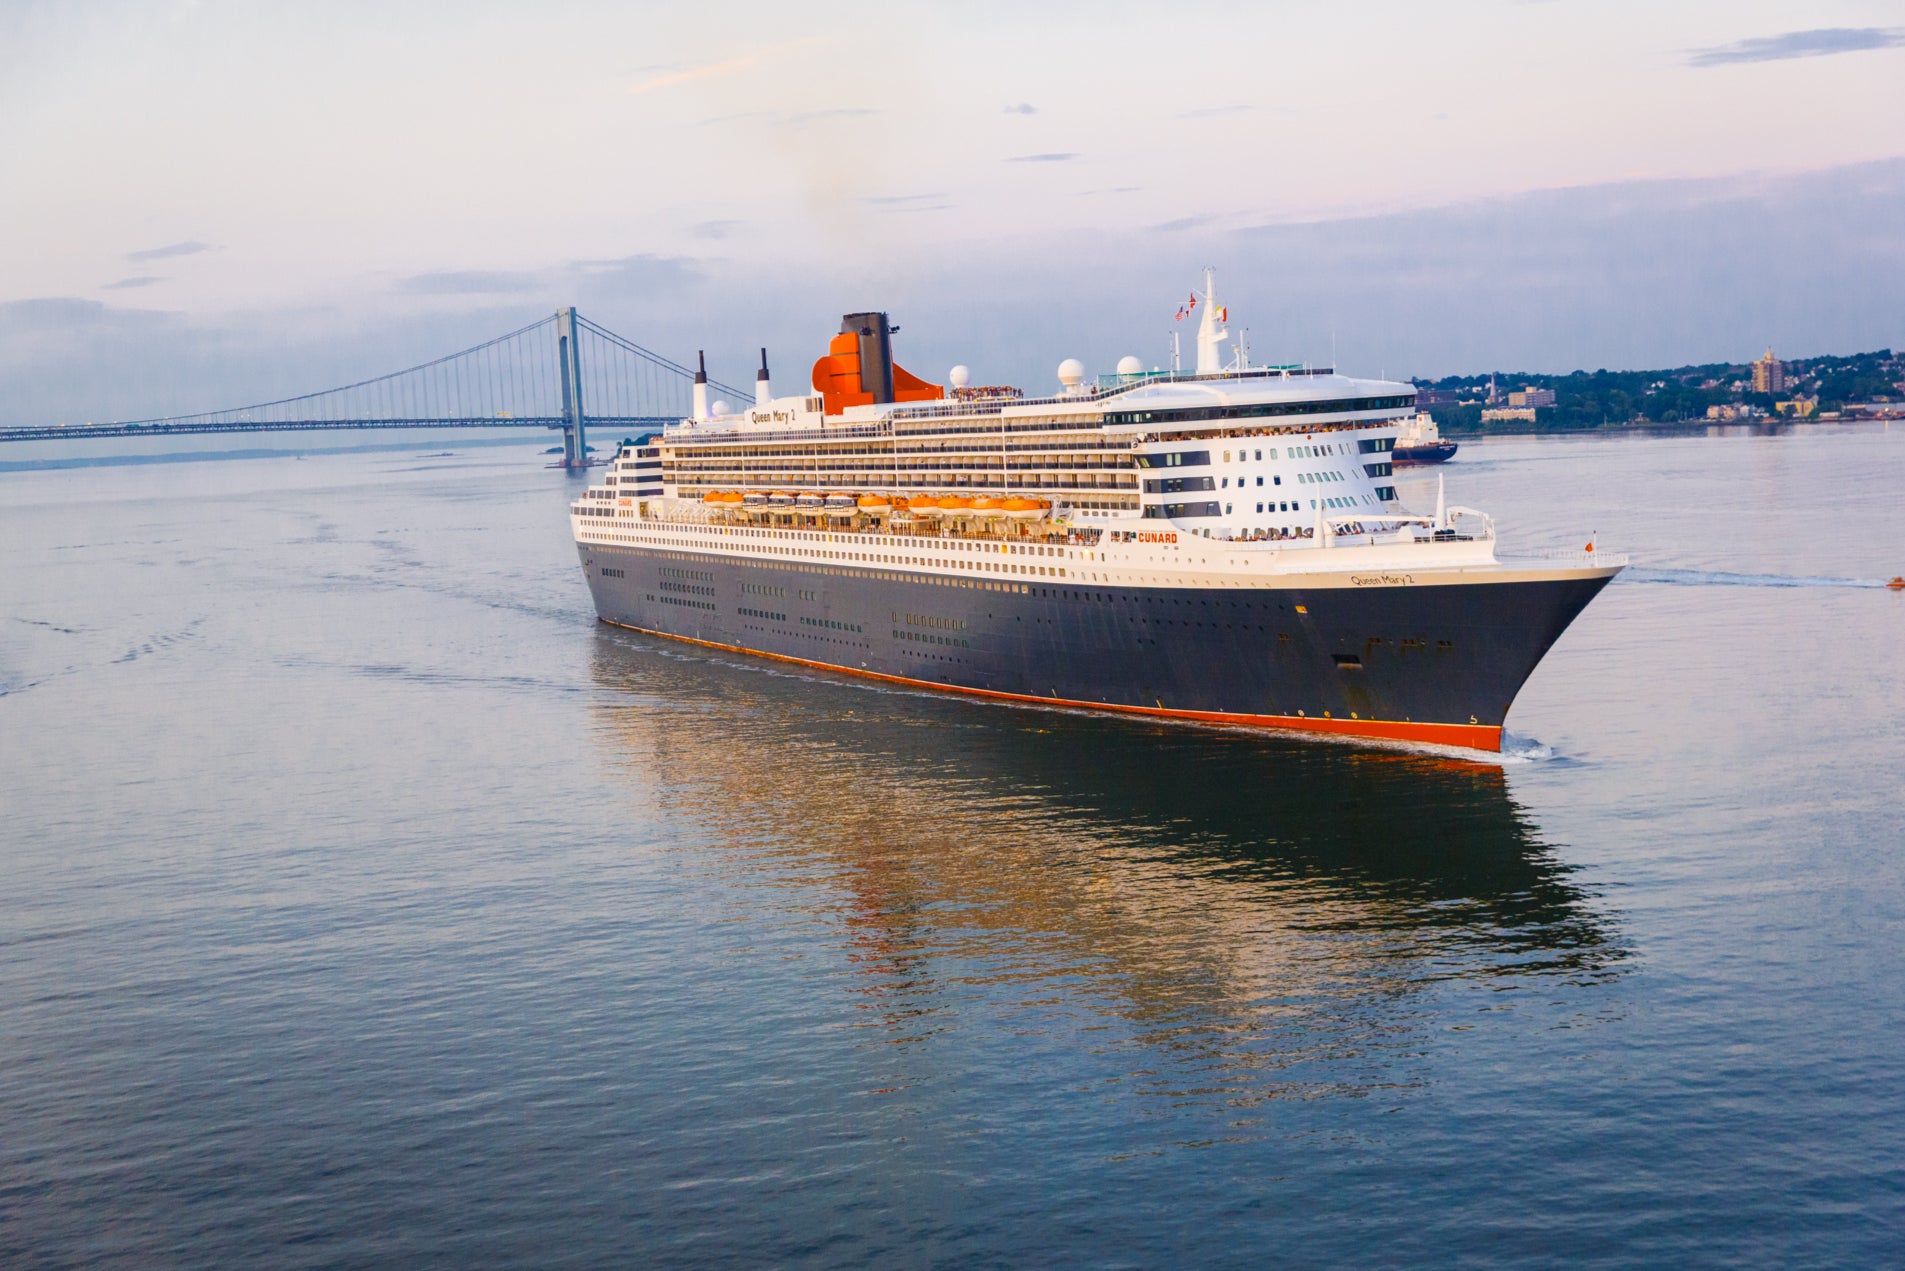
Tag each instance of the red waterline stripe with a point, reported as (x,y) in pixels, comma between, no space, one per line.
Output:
(1468,736)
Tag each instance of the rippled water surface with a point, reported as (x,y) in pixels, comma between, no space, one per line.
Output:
(366,903)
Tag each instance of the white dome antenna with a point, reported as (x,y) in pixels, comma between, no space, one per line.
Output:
(1071,373)
(959,376)
(1128,365)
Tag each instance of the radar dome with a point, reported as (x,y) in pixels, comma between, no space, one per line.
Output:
(719,408)
(959,376)
(1128,365)
(1071,372)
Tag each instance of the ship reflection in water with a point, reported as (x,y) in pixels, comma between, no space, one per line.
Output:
(1251,917)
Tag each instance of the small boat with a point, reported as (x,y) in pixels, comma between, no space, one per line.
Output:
(1897,583)
(1420,441)
(1025,509)
(754,499)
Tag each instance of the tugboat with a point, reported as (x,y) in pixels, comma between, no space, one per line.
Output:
(1420,441)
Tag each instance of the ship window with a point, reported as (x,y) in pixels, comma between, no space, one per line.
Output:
(1276,480)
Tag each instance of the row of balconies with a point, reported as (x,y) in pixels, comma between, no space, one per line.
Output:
(910,480)
(913,463)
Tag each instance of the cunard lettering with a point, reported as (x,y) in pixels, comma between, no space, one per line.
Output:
(1165,537)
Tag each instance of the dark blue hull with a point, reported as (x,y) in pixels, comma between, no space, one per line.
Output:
(1438,663)
(1440,452)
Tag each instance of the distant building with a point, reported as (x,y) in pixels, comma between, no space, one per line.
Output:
(1532,397)
(1526,413)
(1769,374)
(1798,407)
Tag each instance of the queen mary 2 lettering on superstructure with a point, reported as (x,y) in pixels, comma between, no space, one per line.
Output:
(1223,545)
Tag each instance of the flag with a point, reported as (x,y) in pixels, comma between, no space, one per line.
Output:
(1180,313)
(1192,304)
(1223,313)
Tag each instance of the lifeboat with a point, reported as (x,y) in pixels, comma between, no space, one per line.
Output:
(711,497)
(874,503)
(754,499)
(955,505)
(839,500)
(733,499)
(1025,509)
(923,505)
(808,499)
(988,507)
(781,499)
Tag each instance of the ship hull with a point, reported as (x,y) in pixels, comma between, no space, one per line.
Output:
(1409,456)
(1438,663)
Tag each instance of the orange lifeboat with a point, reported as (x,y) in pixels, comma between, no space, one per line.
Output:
(711,497)
(733,499)
(988,507)
(1025,509)
(924,505)
(955,505)
(874,503)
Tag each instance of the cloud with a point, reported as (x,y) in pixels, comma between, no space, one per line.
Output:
(124,284)
(933,202)
(843,112)
(468,282)
(1063,157)
(714,229)
(1820,43)
(644,272)
(1183,223)
(1023,108)
(1206,112)
(714,70)
(191,247)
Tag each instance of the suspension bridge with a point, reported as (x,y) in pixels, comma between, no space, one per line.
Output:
(561,372)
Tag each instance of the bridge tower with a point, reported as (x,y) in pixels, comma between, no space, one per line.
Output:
(575,437)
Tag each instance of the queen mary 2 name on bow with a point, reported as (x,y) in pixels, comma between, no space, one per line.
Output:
(1383,580)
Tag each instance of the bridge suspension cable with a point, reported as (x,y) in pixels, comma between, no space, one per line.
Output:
(518,379)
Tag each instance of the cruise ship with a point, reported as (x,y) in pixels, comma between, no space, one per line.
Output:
(1223,545)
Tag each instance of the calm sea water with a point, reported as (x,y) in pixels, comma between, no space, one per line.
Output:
(363,902)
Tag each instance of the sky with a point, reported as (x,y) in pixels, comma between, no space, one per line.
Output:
(207,203)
